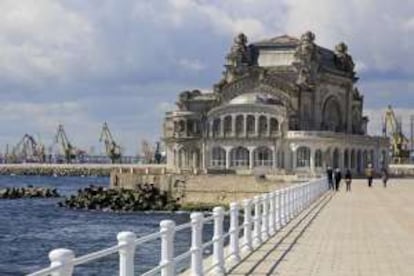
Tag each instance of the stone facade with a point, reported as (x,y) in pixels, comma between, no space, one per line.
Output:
(283,105)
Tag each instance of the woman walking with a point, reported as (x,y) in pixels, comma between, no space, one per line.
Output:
(348,180)
(384,176)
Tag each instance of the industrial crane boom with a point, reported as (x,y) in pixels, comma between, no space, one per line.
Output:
(112,149)
(399,143)
(67,148)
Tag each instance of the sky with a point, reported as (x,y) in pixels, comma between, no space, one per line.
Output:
(82,62)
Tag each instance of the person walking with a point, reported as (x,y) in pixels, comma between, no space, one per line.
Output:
(348,180)
(369,172)
(384,176)
(329,174)
(338,177)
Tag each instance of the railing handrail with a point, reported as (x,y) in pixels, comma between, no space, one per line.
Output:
(271,211)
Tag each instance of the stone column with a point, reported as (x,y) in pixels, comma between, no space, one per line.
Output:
(274,149)
(204,156)
(312,160)
(256,125)
(268,126)
(244,131)
(233,125)
(251,157)
(221,126)
(227,157)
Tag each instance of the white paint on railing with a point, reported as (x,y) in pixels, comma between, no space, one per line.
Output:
(271,212)
(234,232)
(167,247)
(218,243)
(197,243)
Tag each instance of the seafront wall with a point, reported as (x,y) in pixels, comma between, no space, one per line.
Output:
(197,189)
(68,169)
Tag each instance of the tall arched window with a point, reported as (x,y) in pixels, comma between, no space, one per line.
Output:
(239,125)
(318,158)
(250,124)
(227,125)
(239,157)
(303,157)
(263,156)
(353,159)
(274,126)
(263,125)
(335,158)
(359,161)
(331,115)
(216,127)
(346,159)
(218,157)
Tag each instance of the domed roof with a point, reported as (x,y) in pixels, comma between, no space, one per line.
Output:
(255,98)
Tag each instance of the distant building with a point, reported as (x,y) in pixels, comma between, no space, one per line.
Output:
(283,105)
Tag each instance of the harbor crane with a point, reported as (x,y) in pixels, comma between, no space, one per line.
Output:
(27,150)
(399,143)
(67,148)
(113,150)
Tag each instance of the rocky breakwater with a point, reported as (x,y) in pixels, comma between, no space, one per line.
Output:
(145,197)
(28,192)
(54,171)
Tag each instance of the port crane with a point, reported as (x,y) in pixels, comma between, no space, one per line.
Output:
(399,143)
(113,150)
(68,150)
(27,150)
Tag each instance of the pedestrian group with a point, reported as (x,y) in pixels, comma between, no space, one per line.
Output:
(335,176)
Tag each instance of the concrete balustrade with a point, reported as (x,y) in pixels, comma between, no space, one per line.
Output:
(271,211)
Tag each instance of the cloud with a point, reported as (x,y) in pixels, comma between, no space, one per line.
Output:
(79,63)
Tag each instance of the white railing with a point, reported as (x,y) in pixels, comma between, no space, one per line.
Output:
(271,211)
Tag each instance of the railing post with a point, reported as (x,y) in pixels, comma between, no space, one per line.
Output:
(126,254)
(278,210)
(288,211)
(283,207)
(234,232)
(62,257)
(218,250)
(272,213)
(167,228)
(247,224)
(265,216)
(257,240)
(197,243)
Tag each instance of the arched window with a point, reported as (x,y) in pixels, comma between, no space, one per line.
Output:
(216,127)
(303,157)
(346,159)
(353,159)
(218,157)
(239,157)
(274,126)
(227,125)
(365,159)
(335,158)
(318,158)
(250,124)
(239,125)
(359,161)
(262,125)
(263,156)
(331,115)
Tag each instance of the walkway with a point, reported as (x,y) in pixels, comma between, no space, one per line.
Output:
(365,232)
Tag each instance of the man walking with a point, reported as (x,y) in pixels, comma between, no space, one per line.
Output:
(329,174)
(338,177)
(369,172)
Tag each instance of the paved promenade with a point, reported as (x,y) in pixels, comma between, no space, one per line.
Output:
(364,232)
